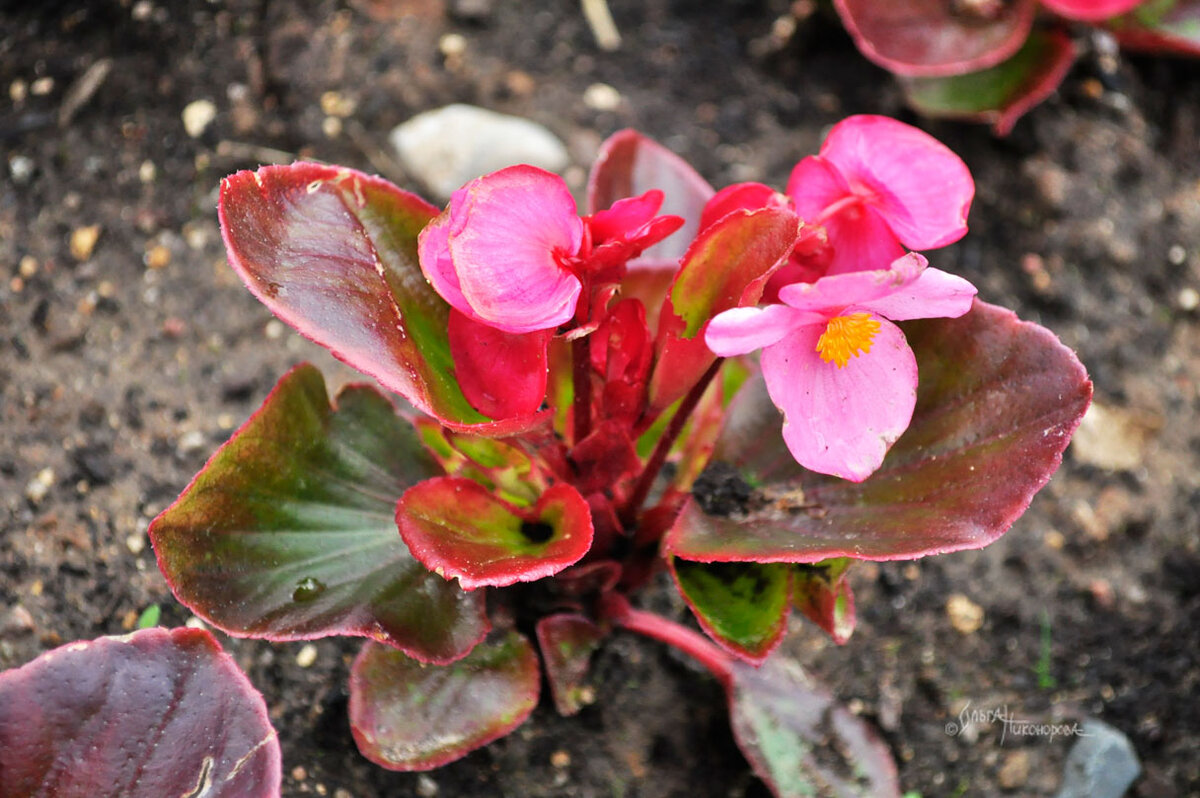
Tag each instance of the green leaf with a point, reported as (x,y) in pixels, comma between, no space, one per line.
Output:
(155,713)
(1161,26)
(149,617)
(726,267)
(997,402)
(333,253)
(461,530)
(567,642)
(741,605)
(821,592)
(1002,94)
(288,533)
(406,715)
(800,742)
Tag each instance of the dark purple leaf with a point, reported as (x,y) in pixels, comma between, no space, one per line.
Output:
(997,403)
(802,743)
(822,592)
(936,38)
(406,715)
(289,533)
(152,714)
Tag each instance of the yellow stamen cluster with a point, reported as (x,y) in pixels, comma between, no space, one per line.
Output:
(847,336)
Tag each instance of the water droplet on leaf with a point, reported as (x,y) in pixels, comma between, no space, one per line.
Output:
(307,589)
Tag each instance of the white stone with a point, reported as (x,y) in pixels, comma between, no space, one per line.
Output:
(449,146)
(197,116)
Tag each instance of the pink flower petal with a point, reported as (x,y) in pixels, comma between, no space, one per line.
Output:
(624,217)
(501,374)
(506,240)
(921,188)
(834,293)
(935,294)
(861,240)
(859,236)
(1090,10)
(740,330)
(433,252)
(841,421)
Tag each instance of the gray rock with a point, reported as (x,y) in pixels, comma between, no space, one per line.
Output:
(446,147)
(1101,764)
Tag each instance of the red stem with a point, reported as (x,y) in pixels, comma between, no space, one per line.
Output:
(667,631)
(659,456)
(582,380)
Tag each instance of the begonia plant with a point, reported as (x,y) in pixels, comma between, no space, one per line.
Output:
(992,60)
(571,405)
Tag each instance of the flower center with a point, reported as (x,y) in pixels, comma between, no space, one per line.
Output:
(847,336)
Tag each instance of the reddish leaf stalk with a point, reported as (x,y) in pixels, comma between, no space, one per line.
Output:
(659,456)
(667,631)
(582,381)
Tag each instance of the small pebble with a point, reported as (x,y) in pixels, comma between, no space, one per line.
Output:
(965,615)
(1176,255)
(331,126)
(195,623)
(1054,540)
(307,656)
(41,87)
(147,172)
(452,45)
(83,241)
(274,329)
(1189,299)
(21,168)
(226,421)
(299,773)
(602,97)
(18,621)
(560,759)
(17,91)
(197,116)
(1014,772)
(28,267)
(157,257)
(426,786)
(40,485)
(336,104)
(136,544)
(190,442)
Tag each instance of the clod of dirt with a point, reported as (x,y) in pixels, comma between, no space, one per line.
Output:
(720,490)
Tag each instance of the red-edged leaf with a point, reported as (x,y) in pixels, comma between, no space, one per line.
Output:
(406,715)
(1163,26)
(148,715)
(997,402)
(461,530)
(822,592)
(741,605)
(1002,94)
(936,38)
(567,642)
(800,741)
(333,253)
(629,165)
(726,267)
(288,533)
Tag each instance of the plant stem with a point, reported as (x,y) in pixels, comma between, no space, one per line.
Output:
(667,631)
(582,381)
(659,456)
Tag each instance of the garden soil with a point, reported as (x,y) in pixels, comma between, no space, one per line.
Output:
(129,351)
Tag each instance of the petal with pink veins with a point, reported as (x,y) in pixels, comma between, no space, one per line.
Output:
(501,374)
(506,241)
(921,188)
(836,292)
(740,330)
(935,294)
(841,421)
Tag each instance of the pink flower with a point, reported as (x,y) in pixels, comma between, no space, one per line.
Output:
(501,252)
(1091,10)
(839,370)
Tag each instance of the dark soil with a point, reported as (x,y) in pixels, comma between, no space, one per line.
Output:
(122,368)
